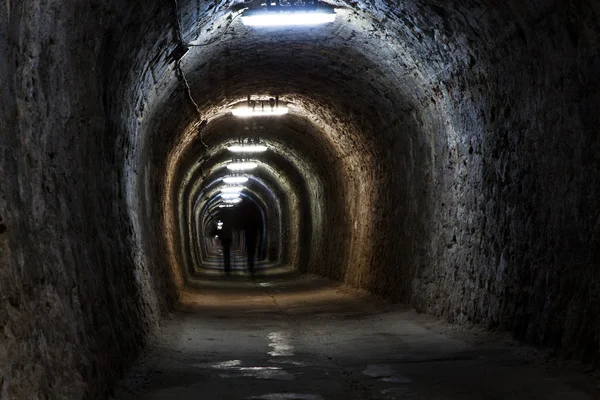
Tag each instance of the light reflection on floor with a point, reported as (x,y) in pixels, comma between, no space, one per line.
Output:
(298,337)
(280,343)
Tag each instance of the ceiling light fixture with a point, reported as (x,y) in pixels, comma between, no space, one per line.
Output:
(260,108)
(232,189)
(235,179)
(248,148)
(248,112)
(285,19)
(241,166)
(230,195)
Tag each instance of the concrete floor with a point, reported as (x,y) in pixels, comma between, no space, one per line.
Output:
(290,336)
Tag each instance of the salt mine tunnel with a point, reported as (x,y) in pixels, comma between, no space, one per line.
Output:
(429,183)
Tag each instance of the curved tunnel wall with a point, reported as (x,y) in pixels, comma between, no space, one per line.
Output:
(210,217)
(294,157)
(272,203)
(465,177)
(289,189)
(200,211)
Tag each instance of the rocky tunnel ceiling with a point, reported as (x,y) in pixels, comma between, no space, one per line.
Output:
(330,94)
(439,153)
(410,136)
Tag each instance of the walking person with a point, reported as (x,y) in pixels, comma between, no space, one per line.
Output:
(226,237)
(251,234)
(250,219)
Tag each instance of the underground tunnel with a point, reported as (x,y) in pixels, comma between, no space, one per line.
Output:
(435,160)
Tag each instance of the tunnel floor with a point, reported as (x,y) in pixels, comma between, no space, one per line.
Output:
(293,336)
(213,265)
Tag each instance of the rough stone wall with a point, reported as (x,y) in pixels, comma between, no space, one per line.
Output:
(515,226)
(74,309)
(138,58)
(458,167)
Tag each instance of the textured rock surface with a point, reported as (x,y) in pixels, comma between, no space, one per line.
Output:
(443,155)
(517,197)
(75,303)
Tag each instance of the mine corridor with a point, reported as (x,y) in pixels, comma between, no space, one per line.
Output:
(299,199)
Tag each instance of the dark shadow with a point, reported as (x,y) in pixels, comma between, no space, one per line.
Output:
(250,221)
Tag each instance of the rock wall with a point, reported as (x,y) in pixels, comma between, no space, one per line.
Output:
(453,163)
(75,303)
(515,195)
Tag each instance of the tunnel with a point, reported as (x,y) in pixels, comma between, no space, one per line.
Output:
(437,157)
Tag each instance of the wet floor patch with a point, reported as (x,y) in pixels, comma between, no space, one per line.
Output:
(397,394)
(261,373)
(279,342)
(395,379)
(385,373)
(288,362)
(378,371)
(220,365)
(287,396)
(236,369)
(466,356)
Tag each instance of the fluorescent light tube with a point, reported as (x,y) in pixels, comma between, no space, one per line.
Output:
(235,179)
(297,18)
(247,148)
(259,112)
(232,189)
(230,195)
(241,166)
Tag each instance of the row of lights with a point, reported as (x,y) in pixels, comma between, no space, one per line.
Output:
(237,180)
(274,16)
(230,195)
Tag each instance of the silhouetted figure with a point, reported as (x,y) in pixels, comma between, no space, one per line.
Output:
(251,234)
(226,237)
(251,222)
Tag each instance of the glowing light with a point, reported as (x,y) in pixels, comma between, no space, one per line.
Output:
(288,18)
(232,189)
(226,205)
(233,201)
(241,166)
(230,195)
(248,148)
(235,179)
(245,111)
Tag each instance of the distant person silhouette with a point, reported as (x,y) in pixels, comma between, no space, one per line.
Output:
(226,237)
(251,240)
(251,222)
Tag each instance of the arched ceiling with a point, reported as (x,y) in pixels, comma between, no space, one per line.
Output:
(439,153)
